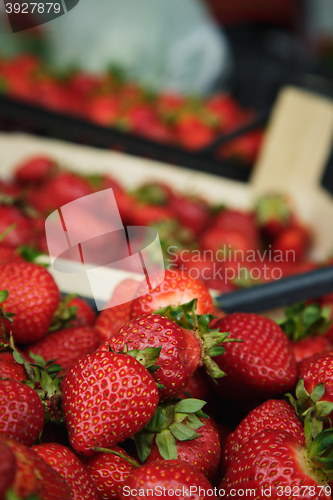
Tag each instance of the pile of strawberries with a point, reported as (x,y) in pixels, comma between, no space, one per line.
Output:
(112,101)
(225,248)
(161,396)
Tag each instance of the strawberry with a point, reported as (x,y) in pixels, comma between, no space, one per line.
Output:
(272,414)
(7,469)
(306,326)
(115,395)
(102,109)
(170,477)
(118,309)
(70,467)
(22,413)
(262,366)
(109,471)
(273,214)
(293,243)
(181,431)
(182,350)
(58,191)
(85,315)
(9,368)
(192,212)
(242,221)
(226,243)
(155,193)
(318,370)
(148,214)
(34,477)
(33,298)
(226,109)
(21,233)
(192,133)
(245,147)
(176,288)
(34,170)
(275,461)
(66,346)
(72,312)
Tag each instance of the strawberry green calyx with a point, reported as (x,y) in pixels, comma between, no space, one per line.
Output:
(151,193)
(272,208)
(320,455)
(311,409)
(303,321)
(42,377)
(212,340)
(64,314)
(171,423)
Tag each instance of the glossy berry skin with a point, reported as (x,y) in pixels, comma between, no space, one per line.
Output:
(21,412)
(176,288)
(273,414)
(262,366)
(66,346)
(202,453)
(107,398)
(8,255)
(70,467)
(33,298)
(9,368)
(319,370)
(273,458)
(34,477)
(7,469)
(171,475)
(109,472)
(180,354)
(309,346)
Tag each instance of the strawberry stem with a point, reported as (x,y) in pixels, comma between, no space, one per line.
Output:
(120,455)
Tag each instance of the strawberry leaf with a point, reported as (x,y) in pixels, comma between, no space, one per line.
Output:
(144,442)
(189,405)
(166,444)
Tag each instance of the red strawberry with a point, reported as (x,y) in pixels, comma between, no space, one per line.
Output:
(110,320)
(59,191)
(70,467)
(9,368)
(180,352)
(192,133)
(275,461)
(34,477)
(109,472)
(180,478)
(33,298)
(34,170)
(227,243)
(242,221)
(7,469)
(85,315)
(22,413)
(293,243)
(262,366)
(318,370)
(192,212)
(227,110)
(199,386)
(103,109)
(273,213)
(176,288)
(147,214)
(22,233)
(246,147)
(305,348)
(185,435)
(115,395)
(272,414)
(66,346)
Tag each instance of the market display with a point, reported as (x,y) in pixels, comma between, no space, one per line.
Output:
(110,100)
